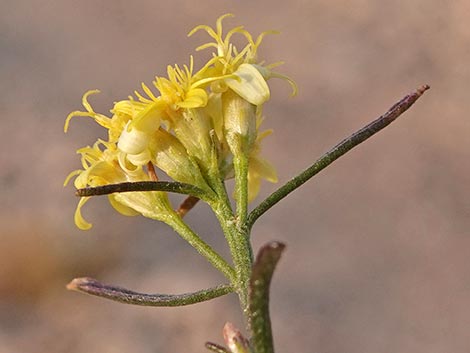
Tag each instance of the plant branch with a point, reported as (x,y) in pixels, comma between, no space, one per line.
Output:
(240,249)
(240,163)
(340,149)
(202,247)
(178,188)
(126,296)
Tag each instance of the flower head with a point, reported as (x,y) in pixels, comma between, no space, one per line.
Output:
(101,167)
(239,70)
(192,129)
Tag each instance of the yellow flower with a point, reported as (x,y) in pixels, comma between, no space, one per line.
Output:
(241,80)
(101,167)
(180,106)
(181,89)
(136,135)
(114,124)
(239,70)
(198,121)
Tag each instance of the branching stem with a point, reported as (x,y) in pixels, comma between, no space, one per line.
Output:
(340,149)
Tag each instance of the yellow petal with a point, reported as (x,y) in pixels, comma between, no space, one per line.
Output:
(254,183)
(133,141)
(71,175)
(195,98)
(99,118)
(79,220)
(85,99)
(264,169)
(74,114)
(122,209)
(81,181)
(149,119)
(249,84)
(103,172)
(140,159)
(268,73)
(214,110)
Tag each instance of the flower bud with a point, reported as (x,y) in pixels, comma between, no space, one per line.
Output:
(171,156)
(193,128)
(239,122)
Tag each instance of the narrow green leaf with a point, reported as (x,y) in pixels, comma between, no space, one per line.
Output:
(337,151)
(259,319)
(178,188)
(126,296)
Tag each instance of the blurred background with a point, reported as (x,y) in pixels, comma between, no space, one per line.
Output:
(378,256)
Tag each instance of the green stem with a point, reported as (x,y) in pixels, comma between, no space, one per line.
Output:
(238,240)
(240,165)
(243,267)
(242,250)
(201,247)
(224,213)
(239,244)
(340,149)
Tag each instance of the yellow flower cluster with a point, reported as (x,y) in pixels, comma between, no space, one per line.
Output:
(191,130)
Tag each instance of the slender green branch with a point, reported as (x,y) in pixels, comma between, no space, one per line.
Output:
(259,319)
(340,149)
(126,296)
(241,186)
(173,220)
(240,248)
(226,220)
(202,247)
(236,233)
(238,243)
(179,188)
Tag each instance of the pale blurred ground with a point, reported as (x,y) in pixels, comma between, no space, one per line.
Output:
(378,256)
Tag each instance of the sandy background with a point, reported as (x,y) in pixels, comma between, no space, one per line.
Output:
(378,256)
